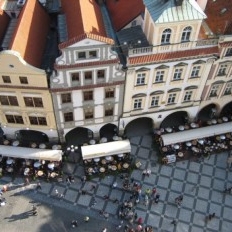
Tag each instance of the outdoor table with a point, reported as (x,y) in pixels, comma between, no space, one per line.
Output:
(103,140)
(115,138)
(103,161)
(89,160)
(28,162)
(9,161)
(209,122)
(193,125)
(181,128)
(6,142)
(51,165)
(113,167)
(180,154)
(40,173)
(120,155)
(219,120)
(10,169)
(228,135)
(195,149)
(109,158)
(125,165)
(90,170)
(214,121)
(201,141)
(96,160)
(33,145)
(194,142)
(176,146)
(164,149)
(222,137)
(225,119)
(218,138)
(42,146)
(102,169)
(15,143)
(168,129)
(188,144)
(37,164)
(120,138)
(55,147)
(186,127)
(92,142)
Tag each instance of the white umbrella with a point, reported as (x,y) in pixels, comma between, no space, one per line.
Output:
(15,143)
(115,138)
(120,155)
(201,141)
(54,147)
(193,125)
(42,146)
(103,140)
(9,161)
(181,128)
(214,121)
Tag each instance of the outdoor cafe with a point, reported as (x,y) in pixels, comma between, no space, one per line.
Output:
(106,157)
(198,141)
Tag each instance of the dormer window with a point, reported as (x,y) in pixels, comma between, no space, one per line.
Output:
(229,52)
(166,36)
(186,34)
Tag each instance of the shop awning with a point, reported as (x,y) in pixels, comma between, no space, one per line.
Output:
(197,133)
(30,153)
(105,149)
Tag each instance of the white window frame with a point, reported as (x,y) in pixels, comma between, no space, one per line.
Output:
(222,70)
(141,79)
(228,89)
(172,98)
(195,71)
(166,36)
(137,104)
(214,90)
(159,77)
(155,100)
(185,37)
(177,73)
(188,96)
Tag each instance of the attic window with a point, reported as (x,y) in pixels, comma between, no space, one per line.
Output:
(223,11)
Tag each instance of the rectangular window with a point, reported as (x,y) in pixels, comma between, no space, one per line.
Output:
(75,77)
(229,52)
(101,74)
(177,74)
(23,80)
(109,111)
(214,91)
(88,76)
(137,104)
(88,95)
(81,55)
(140,79)
(159,76)
(109,93)
(228,89)
(171,98)
(188,95)
(33,101)
(88,113)
(6,79)
(195,71)
(155,101)
(9,100)
(66,98)
(16,119)
(92,54)
(68,117)
(222,70)
(38,121)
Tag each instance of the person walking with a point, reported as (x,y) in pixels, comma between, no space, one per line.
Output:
(86,219)
(38,186)
(174,222)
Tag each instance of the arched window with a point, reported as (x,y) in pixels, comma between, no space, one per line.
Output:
(166,35)
(186,34)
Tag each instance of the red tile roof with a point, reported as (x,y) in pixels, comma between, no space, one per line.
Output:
(173,56)
(4,20)
(86,64)
(219,16)
(31,33)
(83,17)
(123,12)
(84,36)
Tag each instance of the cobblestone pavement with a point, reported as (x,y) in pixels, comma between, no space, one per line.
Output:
(201,183)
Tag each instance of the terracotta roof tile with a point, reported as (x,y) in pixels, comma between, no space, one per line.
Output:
(86,64)
(84,36)
(31,33)
(123,12)
(83,16)
(219,16)
(226,44)
(173,56)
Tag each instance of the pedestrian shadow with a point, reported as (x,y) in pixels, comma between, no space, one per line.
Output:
(21,216)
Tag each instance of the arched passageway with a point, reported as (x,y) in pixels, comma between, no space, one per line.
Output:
(139,127)
(108,131)
(226,110)
(207,113)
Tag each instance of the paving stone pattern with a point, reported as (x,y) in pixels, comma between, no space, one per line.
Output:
(201,183)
